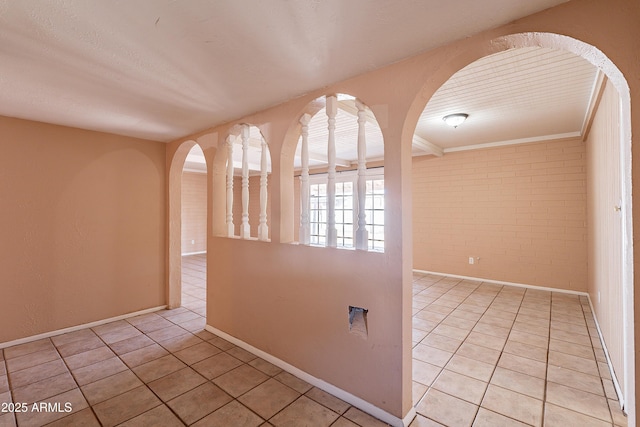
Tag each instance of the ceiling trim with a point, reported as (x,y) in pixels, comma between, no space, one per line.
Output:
(426,146)
(567,135)
(594,100)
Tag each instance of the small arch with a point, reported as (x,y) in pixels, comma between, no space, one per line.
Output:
(351,119)
(174,287)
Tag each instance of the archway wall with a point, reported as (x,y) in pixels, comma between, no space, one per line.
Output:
(291,302)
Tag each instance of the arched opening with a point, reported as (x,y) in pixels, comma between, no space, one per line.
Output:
(193,219)
(493,207)
(339,176)
(188,158)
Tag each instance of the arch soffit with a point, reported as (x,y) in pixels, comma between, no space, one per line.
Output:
(503,43)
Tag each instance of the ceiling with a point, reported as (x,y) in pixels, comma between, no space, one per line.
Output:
(163,69)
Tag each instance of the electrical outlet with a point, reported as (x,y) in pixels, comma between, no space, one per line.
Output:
(472,260)
(193,242)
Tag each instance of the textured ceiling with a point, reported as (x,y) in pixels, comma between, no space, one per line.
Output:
(163,69)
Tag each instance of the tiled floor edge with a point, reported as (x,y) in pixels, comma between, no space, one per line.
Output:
(614,378)
(329,388)
(78,327)
(501,282)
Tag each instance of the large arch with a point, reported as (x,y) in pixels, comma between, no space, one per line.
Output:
(596,57)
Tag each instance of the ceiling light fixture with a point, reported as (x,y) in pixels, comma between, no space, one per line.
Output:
(455,120)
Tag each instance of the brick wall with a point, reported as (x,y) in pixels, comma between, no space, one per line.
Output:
(520,209)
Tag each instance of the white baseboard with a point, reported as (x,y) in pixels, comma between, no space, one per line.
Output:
(616,384)
(329,388)
(78,327)
(500,282)
(193,253)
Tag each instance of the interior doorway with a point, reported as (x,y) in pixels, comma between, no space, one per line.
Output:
(193,242)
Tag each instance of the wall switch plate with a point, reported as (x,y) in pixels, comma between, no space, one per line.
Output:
(471,260)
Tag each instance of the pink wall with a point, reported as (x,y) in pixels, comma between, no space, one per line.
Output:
(82,226)
(520,209)
(194,212)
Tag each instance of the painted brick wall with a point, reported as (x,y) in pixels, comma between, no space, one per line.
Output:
(194,212)
(520,209)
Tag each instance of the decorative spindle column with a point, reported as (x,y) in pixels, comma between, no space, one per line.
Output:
(332,110)
(305,230)
(263,229)
(362,235)
(245,229)
(230,226)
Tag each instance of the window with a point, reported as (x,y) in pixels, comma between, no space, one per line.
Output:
(346,209)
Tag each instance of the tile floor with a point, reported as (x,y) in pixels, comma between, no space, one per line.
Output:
(484,355)
(492,355)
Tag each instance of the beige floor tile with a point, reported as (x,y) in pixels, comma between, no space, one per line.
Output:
(328,400)
(125,406)
(486,418)
(578,401)
(570,337)
(446,409)
(461,386)
(304,411)
(81,418)
(343,422)
(528,328)
(423,325)
(217,365)
(572,328)
(154,324)
(519,382)
(4,384)
(240,380)
(487,329)
(195,325)
(431,316)
(459,323)
(471,367)
(120,334)
(451,331)
(483,354)
(181,342)
(158,416)
(495,321)
(556,416)
(526,350)
(489,341)
(80,346)
(97,371)
(513,405)
(167,333)
(431,355)
(131,344)
(417,391)
(269,398)
(467,315)
(571,378)
(199,402)
(196,353)
(27,348)
(221,343)
(158,368)
(442,342)
(81,334)
(143,355)
(361,418)
(110,327)
(266,367)
(294,382)
(37,373)
(241,354)
(609,389)
(425,373)
(88,357)
(422,421)
(619,418)
(177,383)
(528,338)
(586,352)
(563,360)
(31,359)
(111,386)
(44,389)
(523,365)
(232,414)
